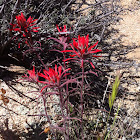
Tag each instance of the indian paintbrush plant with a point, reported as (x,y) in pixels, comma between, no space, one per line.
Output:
(58,78)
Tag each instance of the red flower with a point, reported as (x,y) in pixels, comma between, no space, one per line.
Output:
(60,29)
(63,33)
(32,75)
(81,49)
(53,76)
(23,26)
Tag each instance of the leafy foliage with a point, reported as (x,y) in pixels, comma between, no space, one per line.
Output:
(114,91)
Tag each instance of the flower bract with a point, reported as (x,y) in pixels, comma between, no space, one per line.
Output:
(82,50)
(23,26)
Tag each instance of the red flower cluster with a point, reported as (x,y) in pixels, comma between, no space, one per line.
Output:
(32,75)
(81,49)
(60,29)
(63,36)
(23,26)
(53,76)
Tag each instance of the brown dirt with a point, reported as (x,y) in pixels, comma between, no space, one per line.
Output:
(130,27)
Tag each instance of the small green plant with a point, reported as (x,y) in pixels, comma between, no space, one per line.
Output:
(113,95)
(111,100)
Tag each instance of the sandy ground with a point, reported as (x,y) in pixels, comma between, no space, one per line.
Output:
(130,27)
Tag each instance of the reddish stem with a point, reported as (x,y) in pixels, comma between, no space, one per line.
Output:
(81,99)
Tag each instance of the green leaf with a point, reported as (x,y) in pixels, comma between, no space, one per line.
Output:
(110,102)
(113,95)
(70,108)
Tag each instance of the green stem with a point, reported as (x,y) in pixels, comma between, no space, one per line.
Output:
(112,124)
